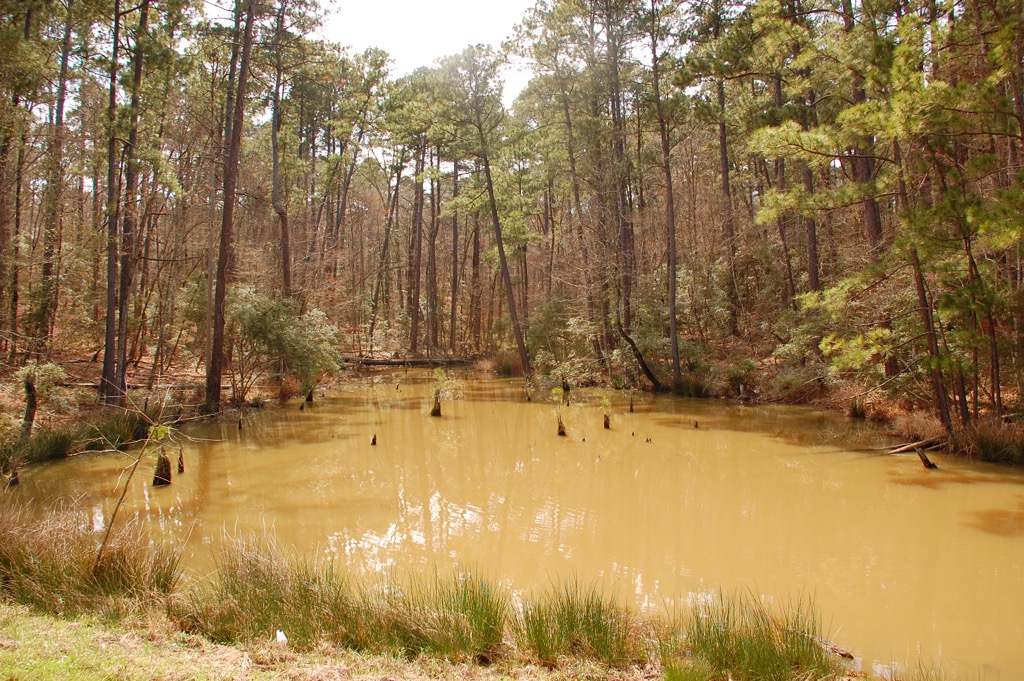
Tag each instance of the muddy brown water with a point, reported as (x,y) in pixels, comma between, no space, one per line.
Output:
(679,501)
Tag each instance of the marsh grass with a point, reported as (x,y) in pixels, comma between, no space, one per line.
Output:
(258,591)
(578,621)
(742,638)
(991,441)
(113,430)
(50,564)
(459,618)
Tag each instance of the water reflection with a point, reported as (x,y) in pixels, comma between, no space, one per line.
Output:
(903,563)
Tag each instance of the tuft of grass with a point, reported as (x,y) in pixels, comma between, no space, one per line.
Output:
(742,639)
(578,621)
(49,563)
(114,430)
(48,444)
(991,441)
(258,591)
(460,618)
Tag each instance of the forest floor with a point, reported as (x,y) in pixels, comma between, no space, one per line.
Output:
(34,646)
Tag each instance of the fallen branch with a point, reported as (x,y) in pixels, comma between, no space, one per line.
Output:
(927,443)
(409,362)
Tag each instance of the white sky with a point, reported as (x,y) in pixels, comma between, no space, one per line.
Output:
(419,32)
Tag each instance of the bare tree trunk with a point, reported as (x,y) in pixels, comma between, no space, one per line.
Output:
(280,205)
(215,368)
(506,277)
(45,315)
(453,311)
(110,391)
(416,253)
(130,222)
(938,385)
(392,212)
(670,202)
(730,225)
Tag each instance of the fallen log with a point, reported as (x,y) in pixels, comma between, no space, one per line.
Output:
(927,443)
(410,361)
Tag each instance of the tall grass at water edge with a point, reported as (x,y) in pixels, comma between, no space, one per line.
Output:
(741,638)
(577,621)
(258,591)
(106,430)
(50,563)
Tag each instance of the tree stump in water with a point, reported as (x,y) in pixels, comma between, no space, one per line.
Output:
(309,395)
(607,422)
(373,440)
(181,461)
(630,401)
(436,411)
(561,427)
(162,475)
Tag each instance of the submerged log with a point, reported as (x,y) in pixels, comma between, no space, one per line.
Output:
(162,475)
(607,422)
(436,411)
(561,427)
(925,461)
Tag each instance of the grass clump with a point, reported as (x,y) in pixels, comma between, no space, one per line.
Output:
(460,618)
(114,430)
(991,441)
(579,622)
(742,639)
(49,563)
(258,591)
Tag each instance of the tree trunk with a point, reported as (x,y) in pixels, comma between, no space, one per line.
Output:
(506,277)
(280,205)
(670,203)
(453,311)
(130,222)
(216,366)
(938,385)
(45,315)
(730,225)
(416,253)
(110,391)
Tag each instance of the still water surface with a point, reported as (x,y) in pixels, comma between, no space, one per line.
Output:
(905,565)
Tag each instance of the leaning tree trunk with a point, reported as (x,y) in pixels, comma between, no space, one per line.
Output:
(506,277)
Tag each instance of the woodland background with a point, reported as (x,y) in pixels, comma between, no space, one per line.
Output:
(768,199)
